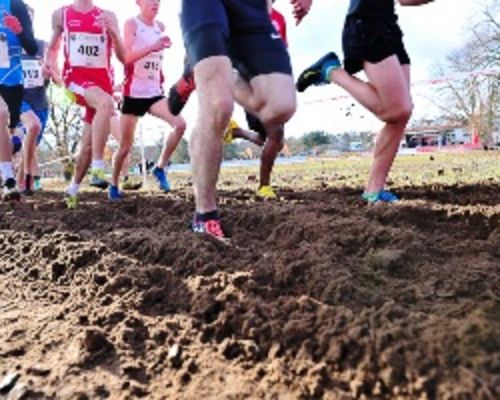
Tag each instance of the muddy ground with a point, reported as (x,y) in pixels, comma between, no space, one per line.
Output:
(318,296)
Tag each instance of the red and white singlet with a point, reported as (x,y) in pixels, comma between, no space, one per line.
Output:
(144,78)
(87,51)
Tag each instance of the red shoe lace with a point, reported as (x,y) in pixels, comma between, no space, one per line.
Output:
(213,228)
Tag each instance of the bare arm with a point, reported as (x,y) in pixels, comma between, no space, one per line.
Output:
(136,54)
(54,45)
(26,37)
(414,2)
(110,23)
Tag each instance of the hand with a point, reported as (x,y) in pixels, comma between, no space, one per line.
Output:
(161,44)
(53,72)
(11,22)
(117,97)
(109,24)
(46,72)
(300,9)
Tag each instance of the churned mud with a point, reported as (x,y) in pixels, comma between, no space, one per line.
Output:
(317,296)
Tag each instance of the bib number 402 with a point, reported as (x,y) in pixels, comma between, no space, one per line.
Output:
(88,51)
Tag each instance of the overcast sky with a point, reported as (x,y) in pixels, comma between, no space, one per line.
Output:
(431,32)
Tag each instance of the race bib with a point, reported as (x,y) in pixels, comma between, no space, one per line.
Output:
(150,67)
(32,72)
(88,50)
(4,52)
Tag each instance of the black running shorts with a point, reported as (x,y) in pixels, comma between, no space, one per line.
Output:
(13,97)
(256,125)
(137,106)
(371,40)
(239,29)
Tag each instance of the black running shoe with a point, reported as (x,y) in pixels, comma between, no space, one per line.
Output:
(10,192)
(316,73)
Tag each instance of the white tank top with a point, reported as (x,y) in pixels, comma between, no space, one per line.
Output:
(144,79)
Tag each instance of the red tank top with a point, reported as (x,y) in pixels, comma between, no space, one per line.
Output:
(279,23)
(87,47)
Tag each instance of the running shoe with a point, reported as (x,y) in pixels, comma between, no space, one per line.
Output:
(114,193)
(161,177)
(98,179)
(229,133)
(318,73)
(131,184)
(179,94)
(266,192)
(211,227)
(72,202)
(28,192)
(10,192)
(383,196)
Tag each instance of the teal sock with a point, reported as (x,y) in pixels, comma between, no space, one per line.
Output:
(327,70)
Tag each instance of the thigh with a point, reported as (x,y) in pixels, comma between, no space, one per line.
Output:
(205,29)
(160,110)
(29,118)
(275,91)
(391,81)
(214,83)
(94,97)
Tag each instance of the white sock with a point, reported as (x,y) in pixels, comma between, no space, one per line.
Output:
(98,164)
(73,188)
(6,170)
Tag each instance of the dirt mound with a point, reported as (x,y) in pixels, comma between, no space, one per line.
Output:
(318,296)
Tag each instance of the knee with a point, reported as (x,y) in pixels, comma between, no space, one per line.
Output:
(105,105)
(222,109)
(35,127)
(180,127)
(399,114)
(125,147)
(280,113)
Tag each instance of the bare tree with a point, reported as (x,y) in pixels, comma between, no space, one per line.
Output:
(474,100)
(65,123)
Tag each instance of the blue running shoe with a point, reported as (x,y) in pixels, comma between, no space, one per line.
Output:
(383,196)
(114,193)
(161,177)
(319,72)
